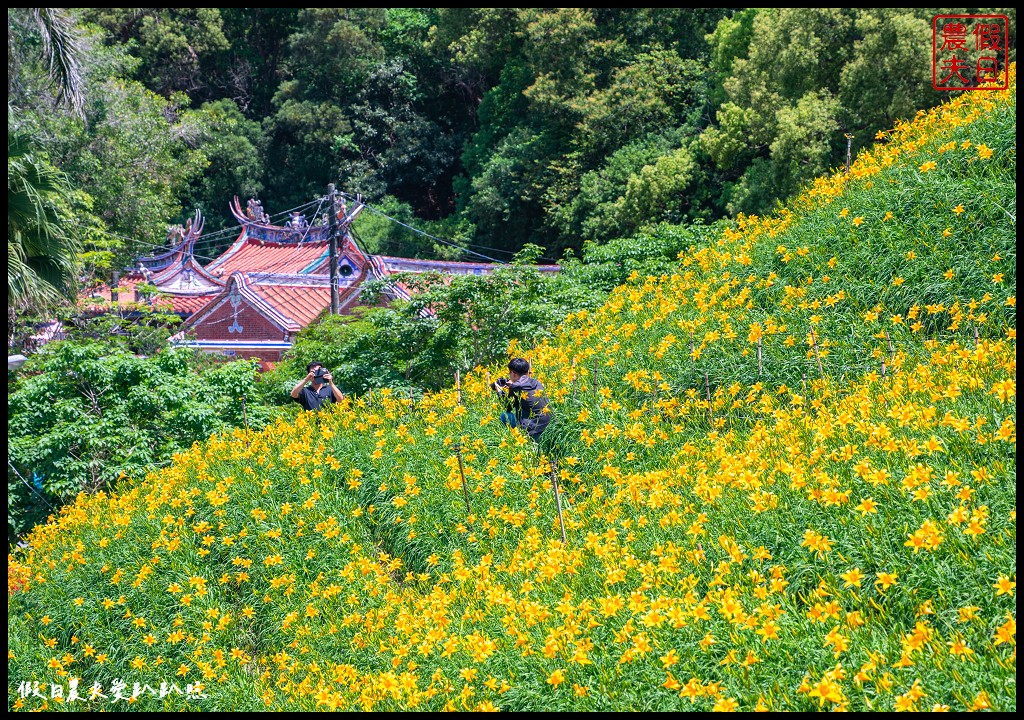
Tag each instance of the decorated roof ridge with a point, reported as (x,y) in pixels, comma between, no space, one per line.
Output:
(270,278)
(457,263)
(378,268)
(165,280)
(256,223)
(259,242)
(188,264)
(381,272)
(182,239)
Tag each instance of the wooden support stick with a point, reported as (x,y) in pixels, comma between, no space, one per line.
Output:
(883,369)
(707,389)
(814,340)
(759,358)
(575,385)
(558,498)
(892,353)
(975,337)
(458,385)
(462,474)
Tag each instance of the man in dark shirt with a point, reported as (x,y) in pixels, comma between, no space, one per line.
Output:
(322,389)
(527,405)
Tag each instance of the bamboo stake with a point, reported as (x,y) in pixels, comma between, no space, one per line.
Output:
(892,353)
(575,385)
(458,385)
(759,358)
(558,498)
(707,389)
(814,340)
(462,474)
(975,337)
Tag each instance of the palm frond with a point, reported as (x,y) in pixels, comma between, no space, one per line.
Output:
(42,245)
(63,53)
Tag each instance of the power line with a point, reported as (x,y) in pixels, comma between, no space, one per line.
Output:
(463,246)
(426,234)
(29,486)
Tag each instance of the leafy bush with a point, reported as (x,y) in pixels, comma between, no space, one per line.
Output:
(85,414)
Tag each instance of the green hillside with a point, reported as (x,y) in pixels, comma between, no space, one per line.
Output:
(786,472)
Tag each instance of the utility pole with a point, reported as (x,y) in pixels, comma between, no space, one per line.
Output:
(333,221)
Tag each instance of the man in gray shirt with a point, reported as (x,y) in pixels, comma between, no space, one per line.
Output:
(527,406)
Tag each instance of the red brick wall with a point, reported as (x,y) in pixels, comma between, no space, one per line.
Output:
(215,326)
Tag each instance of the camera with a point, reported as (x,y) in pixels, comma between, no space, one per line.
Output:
(320,372)
(499,383)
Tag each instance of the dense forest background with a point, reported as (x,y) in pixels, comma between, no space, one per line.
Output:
(491,127)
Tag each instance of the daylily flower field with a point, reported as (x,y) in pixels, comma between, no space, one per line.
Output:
(786,475)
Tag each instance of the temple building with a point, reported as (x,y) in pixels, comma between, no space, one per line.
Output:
(273,281)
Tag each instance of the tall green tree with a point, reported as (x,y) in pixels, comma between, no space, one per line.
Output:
(42,240)
(797,81)
(174,46)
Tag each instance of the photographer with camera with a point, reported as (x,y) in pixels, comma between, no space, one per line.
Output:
(527,406)
(322,389)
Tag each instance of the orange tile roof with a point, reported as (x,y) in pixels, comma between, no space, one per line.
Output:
(300,303)
(259,256)
(188,304)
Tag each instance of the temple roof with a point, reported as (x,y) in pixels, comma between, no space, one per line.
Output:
(300,303)
(281,272)
(248,254)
